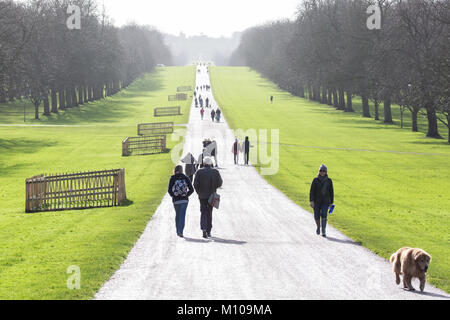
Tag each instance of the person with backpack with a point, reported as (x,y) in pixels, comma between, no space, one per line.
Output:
(206,182)
(236,149)
(213,114)
(180,188)
(321,196)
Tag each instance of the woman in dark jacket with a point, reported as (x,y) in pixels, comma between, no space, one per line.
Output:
(321,196)
(180,188)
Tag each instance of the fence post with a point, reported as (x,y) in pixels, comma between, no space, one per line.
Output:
(125,147)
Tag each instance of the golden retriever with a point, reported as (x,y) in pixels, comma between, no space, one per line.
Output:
(410,262)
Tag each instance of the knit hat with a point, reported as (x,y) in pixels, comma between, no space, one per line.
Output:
(323,167)
(207,161)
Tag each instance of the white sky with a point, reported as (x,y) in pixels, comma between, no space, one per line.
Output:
(213,18)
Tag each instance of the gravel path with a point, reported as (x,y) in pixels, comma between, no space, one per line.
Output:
(264,246)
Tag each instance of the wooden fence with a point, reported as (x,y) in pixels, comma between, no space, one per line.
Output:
(143,145)
(167,111)
(177,97)
(184,88)
(155,129)
(75,191)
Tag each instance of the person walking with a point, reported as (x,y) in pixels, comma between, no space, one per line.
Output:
(213,151)
(202,112)
(271,99)
(207,102)
(180,188)
(235,149)
(213,114)
(206,182)
(246,149)
(321,196)
(218,113)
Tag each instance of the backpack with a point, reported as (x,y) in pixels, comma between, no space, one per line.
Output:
(180,188)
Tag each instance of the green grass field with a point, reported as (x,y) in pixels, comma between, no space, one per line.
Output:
(391,185)
(37,249)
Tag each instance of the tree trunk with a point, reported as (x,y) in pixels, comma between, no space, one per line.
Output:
(46,104)
(36,110)
(349,107)
(74,97)
(365,105)
(324,96)
(69,98)
(81,95)
(387,110)
(432,123)
(341,100)
(377,113)
(414,112)
(335,99)
(54,101)
(329,100)
(62,99)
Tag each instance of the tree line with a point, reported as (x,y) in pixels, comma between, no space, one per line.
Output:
(52,65)
(329,54)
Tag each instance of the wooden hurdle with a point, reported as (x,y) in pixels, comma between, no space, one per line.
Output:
(177,97)
(167,111)
(82,190)
(155,129)
(143,145)
(184,88)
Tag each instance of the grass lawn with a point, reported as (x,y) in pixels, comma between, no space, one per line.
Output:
(37,249)
(391,185)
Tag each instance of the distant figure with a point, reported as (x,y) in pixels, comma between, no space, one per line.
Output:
(206,182)
(321,196)
(196,103)
(213,114)
(180,188)
(207,102)
(236,149)
(271,99)
(246,149)
(218,112)
(201,102)
(202,112)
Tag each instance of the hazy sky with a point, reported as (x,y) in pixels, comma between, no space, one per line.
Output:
(193,17)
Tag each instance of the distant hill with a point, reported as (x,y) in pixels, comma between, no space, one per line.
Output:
(186,50)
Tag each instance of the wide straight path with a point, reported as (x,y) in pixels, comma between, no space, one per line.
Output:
(264,246)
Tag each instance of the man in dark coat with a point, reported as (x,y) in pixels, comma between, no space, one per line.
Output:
(206,182)
(246,149)
(321,196)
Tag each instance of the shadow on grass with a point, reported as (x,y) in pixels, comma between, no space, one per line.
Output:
(126,203)
(16,146)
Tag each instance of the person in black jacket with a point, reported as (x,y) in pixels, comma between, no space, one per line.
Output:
(206,182)
(180,188)
(321,196)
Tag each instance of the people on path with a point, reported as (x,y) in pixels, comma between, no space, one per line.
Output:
(236,149)
(196,103)
(218,112)
(202,112)
(190,166)
(180,188)
(246,149)
(321,196)
(271,99)
(206,182)
(207,102)
(213,114)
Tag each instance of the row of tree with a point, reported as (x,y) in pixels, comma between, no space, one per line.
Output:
(329,54)
(44,59)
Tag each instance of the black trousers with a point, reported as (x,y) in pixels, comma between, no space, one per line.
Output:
(246,156)
(236,158)
(206,215)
